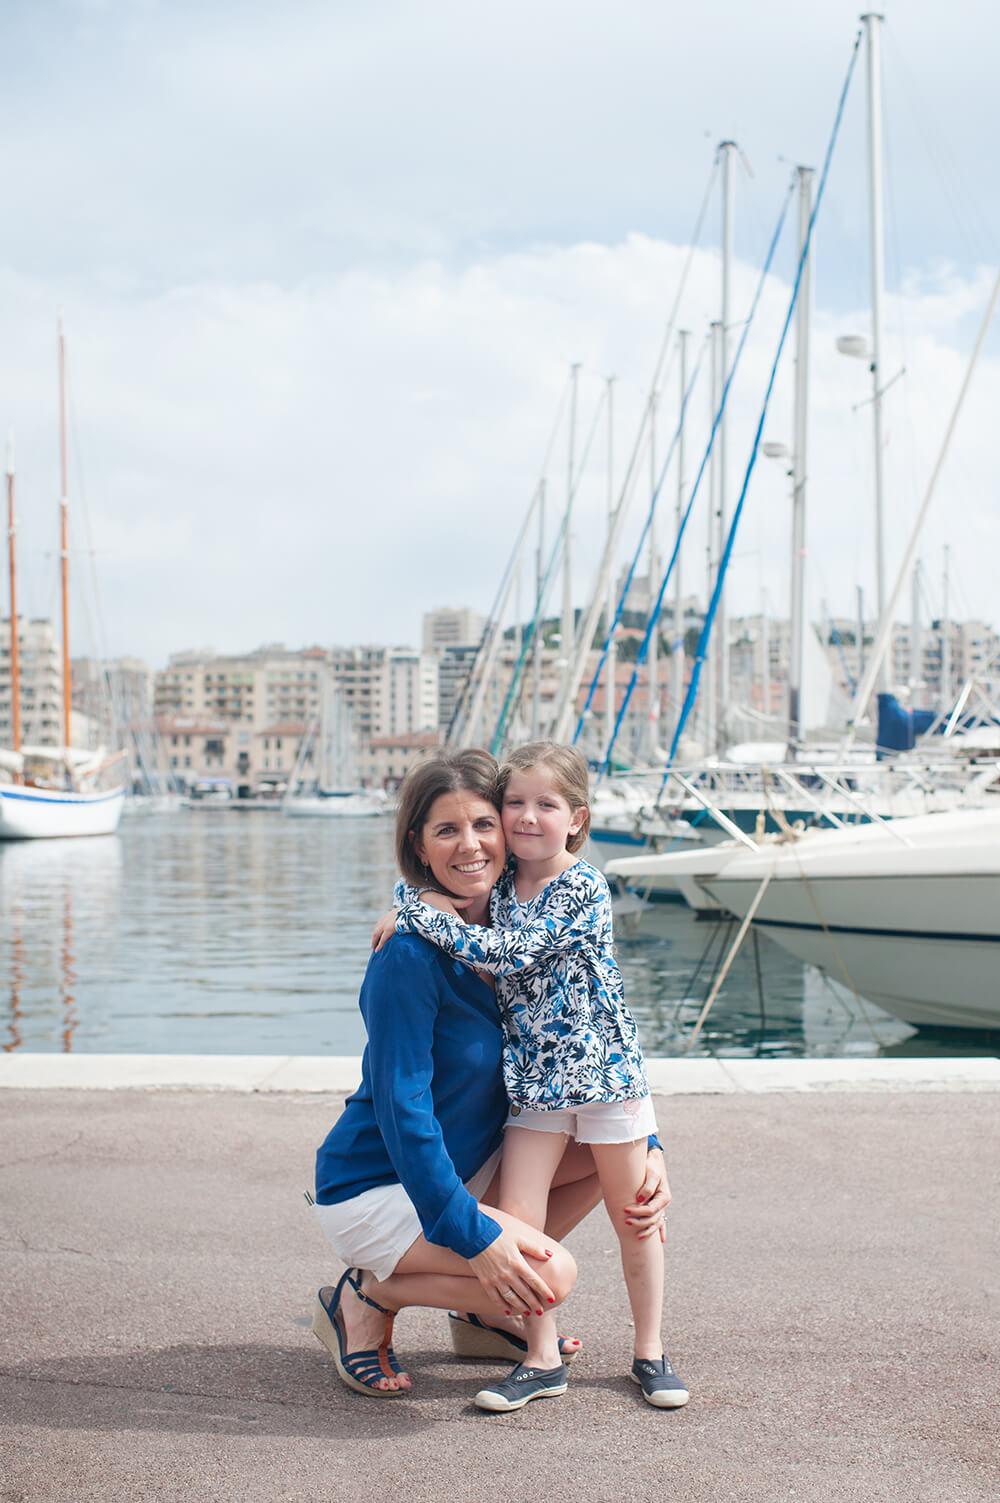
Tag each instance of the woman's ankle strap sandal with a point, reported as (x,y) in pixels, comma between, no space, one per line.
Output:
(362,1371)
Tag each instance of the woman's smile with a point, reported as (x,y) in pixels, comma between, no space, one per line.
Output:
(462,844)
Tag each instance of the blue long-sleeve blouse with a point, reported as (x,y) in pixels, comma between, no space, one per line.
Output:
(431,1105)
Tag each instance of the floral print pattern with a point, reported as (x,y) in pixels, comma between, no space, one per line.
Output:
(568,1036)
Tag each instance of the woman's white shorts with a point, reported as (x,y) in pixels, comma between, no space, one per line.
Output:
(374,1229)
(594,1122)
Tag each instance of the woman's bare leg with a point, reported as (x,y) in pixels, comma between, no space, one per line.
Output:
(434,1276)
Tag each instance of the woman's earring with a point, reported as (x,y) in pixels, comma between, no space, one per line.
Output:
(427,872)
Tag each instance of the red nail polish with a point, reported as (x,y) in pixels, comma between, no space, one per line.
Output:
(548,1252)
(506,1312)
(552,1300)
(538,1312)
(627,1222)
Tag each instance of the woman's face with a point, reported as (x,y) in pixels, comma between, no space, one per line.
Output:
(462,843)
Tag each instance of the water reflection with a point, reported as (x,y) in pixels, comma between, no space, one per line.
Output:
(58,906)
(214,932)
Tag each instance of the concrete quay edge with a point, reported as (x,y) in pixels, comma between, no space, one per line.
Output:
(249,1073)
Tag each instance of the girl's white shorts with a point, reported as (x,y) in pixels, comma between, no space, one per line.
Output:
(594,1122)
(374,1229)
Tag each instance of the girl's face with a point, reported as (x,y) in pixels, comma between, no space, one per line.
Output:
(462,843)
(537,818)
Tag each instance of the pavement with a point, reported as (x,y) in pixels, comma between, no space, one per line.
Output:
(832,1272)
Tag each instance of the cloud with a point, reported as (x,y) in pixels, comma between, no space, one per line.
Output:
(326,462)
(325,272)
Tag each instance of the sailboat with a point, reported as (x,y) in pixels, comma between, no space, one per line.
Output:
(328,748)
(52,791)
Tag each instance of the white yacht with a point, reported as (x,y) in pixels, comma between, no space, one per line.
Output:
(905,912)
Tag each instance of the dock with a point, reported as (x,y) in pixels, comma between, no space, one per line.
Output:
(832,1298)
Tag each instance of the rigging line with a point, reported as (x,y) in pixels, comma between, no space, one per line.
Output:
(482,662)
(575,670)
(702,649)
(887,623)
(638,551)
(95,619)
(667,344)
(720,978)
(655,610)
(948,167)
(512,698)
(487,634)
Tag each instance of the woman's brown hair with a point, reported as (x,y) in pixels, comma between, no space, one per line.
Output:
(470,771)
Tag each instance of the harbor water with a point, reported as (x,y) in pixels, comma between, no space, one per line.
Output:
(217,931)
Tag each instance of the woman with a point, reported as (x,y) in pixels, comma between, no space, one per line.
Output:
(405,1181)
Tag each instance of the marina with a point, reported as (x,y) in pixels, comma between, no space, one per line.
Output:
(205,933)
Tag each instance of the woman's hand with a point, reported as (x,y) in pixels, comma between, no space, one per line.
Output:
(653,1197)
(442,901)
(507,1276)
(384,929)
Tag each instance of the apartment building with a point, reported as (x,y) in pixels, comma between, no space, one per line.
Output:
(269,699)
(450,626)
(40,672)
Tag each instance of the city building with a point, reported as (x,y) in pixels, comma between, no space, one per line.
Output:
(276,696)
(40,672)
(452,627)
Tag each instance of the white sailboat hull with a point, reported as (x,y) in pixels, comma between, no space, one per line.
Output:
(51,813)
(348,806)
(914,926)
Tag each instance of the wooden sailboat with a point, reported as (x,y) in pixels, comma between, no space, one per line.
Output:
(51,791)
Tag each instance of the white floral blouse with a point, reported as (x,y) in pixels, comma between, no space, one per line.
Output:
(568,1036)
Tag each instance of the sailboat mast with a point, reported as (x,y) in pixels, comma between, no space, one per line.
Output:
(653,656)
(64,538)
(872,22)
(945,692)
(677,661)
(611,669)
(15,661)
(566,629)
(799,466)
(727,150)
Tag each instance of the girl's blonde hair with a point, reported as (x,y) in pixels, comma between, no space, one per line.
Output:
(569,773)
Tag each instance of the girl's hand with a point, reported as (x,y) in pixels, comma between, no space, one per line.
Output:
(384,929)
(652,1199)
(507,1276)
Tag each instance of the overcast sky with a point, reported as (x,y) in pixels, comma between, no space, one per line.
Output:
(324,268)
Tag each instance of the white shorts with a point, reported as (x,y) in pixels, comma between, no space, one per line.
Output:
(593,1122)
(374,1229)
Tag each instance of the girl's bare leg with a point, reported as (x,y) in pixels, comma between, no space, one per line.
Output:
(620,1167)
(530,1160)
(527,1169)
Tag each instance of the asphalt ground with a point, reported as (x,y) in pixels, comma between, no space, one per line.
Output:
(832,1273)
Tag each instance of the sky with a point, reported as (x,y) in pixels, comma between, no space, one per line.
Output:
(324,269)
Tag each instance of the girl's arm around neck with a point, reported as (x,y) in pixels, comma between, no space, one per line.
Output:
(574,909)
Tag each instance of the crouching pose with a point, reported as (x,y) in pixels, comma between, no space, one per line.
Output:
(407,1180)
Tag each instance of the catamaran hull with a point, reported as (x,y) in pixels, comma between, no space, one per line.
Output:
(47,813)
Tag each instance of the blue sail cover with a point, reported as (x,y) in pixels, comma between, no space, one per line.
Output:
(899,727)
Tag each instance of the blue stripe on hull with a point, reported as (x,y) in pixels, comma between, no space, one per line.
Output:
(988,939)
(40,796)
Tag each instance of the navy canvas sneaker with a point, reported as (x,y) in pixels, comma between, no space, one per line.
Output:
(521,1386)
(659,1383)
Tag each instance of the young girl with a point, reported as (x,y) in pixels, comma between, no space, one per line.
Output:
(572,1062)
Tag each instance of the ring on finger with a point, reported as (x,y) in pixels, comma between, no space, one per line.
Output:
(511,1293)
